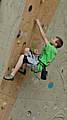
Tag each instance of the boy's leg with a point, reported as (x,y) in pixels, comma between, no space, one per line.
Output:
(25,62)
(18,65)
(14,71)
(23,69)
(44,73)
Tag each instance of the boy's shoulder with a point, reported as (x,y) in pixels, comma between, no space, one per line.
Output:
(50,48)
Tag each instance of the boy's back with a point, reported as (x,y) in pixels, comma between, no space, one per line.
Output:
(48,53)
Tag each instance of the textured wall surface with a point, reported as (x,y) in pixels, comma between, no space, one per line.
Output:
(19,15)
(10,17)
(29,31)
(35,95)
(38,99)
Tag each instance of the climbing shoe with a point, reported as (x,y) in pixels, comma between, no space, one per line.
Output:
(8,77)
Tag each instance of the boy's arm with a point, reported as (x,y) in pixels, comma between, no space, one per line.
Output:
(42,32)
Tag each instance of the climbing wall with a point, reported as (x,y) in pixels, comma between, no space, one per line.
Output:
(17,27)
(47,100)
(37,100)
(10,17)
(28,31)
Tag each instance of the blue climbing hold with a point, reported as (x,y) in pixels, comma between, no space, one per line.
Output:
(50,85)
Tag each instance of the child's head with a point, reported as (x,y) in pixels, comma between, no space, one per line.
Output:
(57,42)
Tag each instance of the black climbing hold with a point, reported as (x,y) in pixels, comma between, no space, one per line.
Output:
(24,43)
(30,8)
(62,70)
(29,113)
(19,34)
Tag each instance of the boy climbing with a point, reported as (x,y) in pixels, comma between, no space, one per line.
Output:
(47,55)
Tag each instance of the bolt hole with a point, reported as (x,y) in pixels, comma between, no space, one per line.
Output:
(30,8)
(62,71)
(8,68)
(24,43)
(19,34)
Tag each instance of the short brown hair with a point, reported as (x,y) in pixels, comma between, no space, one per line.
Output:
(59,42)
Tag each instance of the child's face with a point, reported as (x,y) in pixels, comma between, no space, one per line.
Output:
(54,41)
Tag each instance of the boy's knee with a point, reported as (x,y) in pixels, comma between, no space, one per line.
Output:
(26,50)
(22,56)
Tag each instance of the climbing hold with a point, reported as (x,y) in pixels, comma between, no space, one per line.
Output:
(30,8)
(19,34)
(62,70)
(50,85)
(3,106)
(29,113)
(24,43)
(18,42)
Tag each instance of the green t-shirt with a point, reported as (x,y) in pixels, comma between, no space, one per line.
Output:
(48,53)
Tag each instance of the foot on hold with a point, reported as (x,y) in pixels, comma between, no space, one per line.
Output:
(23,71)
(8,77)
